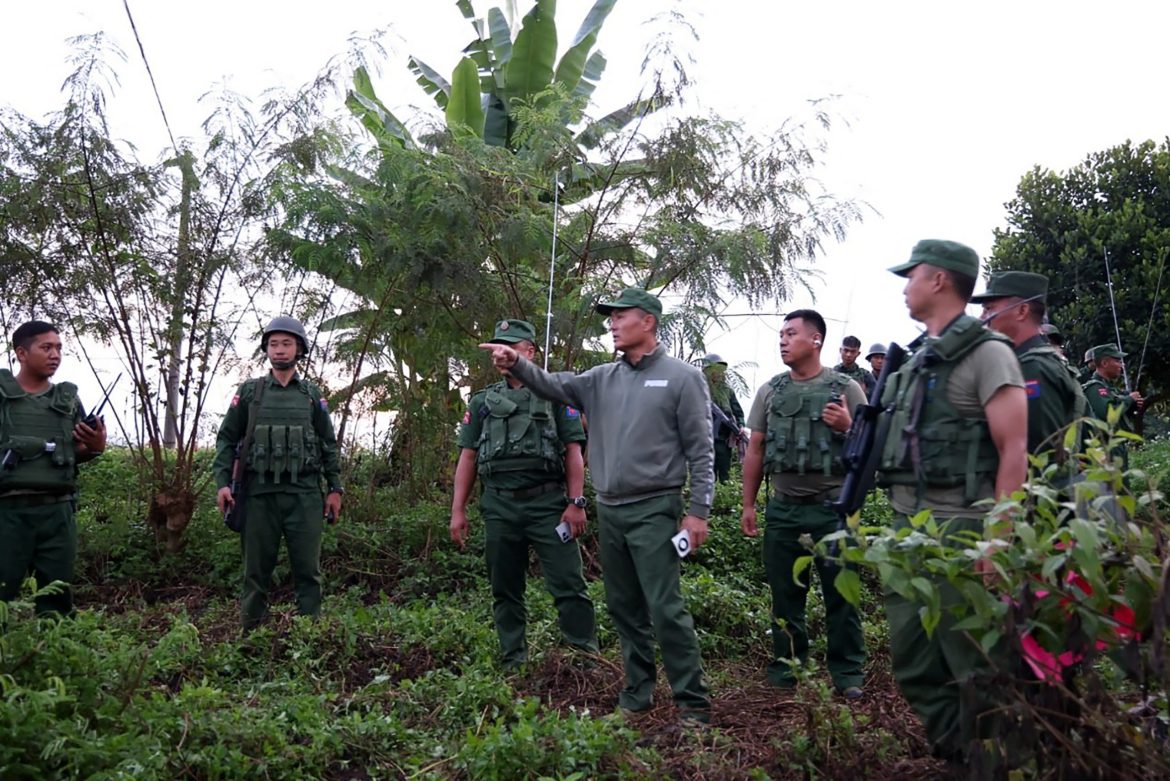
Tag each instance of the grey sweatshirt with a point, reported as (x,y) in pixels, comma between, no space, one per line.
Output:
(647,424)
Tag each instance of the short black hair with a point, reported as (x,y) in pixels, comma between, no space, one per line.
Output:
(851,341)
(964,285)
(809,316)
(24,335)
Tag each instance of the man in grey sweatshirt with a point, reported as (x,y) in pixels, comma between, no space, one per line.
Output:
(649,424)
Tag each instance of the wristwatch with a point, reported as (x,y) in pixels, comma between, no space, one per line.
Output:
(336,489)
(577,501)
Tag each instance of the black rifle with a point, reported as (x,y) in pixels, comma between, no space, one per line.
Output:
(865,441)
(737,436)
(91,419)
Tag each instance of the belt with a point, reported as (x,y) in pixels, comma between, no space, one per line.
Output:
(818,498)
(528,493)
(34,500)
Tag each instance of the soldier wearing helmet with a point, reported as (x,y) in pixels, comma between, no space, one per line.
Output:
(291,456)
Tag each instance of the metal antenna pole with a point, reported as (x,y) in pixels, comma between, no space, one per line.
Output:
(1150,325)
(552,268)
(1116,327)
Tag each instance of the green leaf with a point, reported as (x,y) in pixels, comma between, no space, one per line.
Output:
(848,584)
(572,64)
(363,102)
(465,7)
(1052,565)
(594,67)
(501,36)
(530,70)
(798,568)
(464,111)
(495,127)
(430,80)
(591,136)
(929,616)
(989,640)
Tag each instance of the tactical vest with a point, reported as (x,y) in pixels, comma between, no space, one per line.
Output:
(285,439)
(930,444)
(519,433)
(36,437)
(798,440)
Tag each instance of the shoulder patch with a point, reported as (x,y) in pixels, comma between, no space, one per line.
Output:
(236,400)
(466,417)
(1033,388)
(572,412)
(1102,391)
(324,405)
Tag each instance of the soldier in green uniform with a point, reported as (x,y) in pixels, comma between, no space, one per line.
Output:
(528,453)
(798,423)
(43,437)
(1088,368)
(1014,305)
(293,447)
(850,349)
(727,423)
(958,437)
(1101,394)
(876,359)
(649,427)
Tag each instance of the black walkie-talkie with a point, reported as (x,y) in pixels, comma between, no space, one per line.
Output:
(91,419)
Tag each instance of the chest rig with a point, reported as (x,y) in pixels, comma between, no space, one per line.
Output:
(36,437)
(285,440)
(798,439)
(518,433)
(930,444)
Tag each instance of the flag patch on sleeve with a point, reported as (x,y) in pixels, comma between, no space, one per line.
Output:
(571,412)
(1033,388)
(324,405)
(1102,391)
(235,400)
(466,417)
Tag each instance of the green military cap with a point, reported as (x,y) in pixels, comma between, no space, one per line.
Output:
(950,255)
(713,359)
(513,331)
(1107,351)
(1014,284)
(633,298)
(875,349)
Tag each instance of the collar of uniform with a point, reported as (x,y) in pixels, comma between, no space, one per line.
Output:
(647,359)
(1039,340)
(296,378)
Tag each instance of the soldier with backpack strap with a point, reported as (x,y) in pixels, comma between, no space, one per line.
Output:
(44,435)
(291,456)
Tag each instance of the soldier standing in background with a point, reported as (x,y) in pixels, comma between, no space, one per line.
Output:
(527,451)
(798,423)
(850,349)
(726,414)
(292,447)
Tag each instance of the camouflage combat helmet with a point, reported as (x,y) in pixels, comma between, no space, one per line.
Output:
(286,325)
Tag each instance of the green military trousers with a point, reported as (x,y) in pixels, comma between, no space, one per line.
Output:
(786,521)
(511,526)
(42,539)
(942,675)
(297,517)
(722,460)
(644,597)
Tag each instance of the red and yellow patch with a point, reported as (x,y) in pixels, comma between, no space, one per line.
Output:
(235,400)
(1102,391)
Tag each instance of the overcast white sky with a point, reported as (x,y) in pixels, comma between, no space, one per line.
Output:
(947,104)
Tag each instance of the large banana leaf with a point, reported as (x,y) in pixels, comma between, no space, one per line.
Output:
(594,67)
(495,128)
(572,64)
(591,136)
(501,36)
(464,111)
(431,81)
(363,102)
(534,53)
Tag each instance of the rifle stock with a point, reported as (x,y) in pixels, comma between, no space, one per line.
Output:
(233,517)
(865,440)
